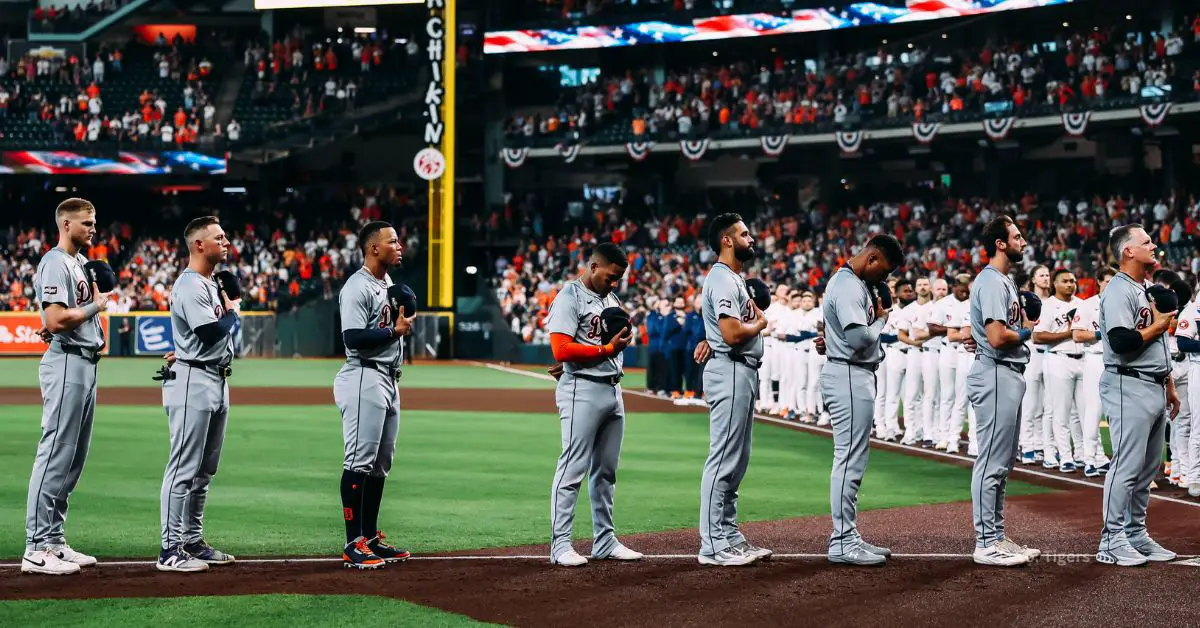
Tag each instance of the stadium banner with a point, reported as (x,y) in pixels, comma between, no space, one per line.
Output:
(738,26)
(68,162)
(253,334)
(265,5)
(18,48)
(19,333)
(154,335)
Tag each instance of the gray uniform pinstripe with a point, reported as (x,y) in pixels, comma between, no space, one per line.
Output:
(68,385)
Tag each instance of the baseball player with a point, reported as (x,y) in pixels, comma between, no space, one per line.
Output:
(896,357)
(1137,395)
(999,326)
(1180,427)
(196,398)
(817,411)
(1034,425)
(913,335)
(733,327)
(855,311)
(590,405)
(1188,340)
(774,362)
(887,339)
(376,316)
(956,325)
(1085,331)
(803,328)
(1062,374)
(70,302)
(939,364)
(792,365)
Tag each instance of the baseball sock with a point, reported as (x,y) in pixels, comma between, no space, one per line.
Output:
(371,501)
(353,495)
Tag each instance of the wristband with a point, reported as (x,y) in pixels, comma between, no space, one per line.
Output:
(1097,335)
(1025,334)
(608,349)
(90,310)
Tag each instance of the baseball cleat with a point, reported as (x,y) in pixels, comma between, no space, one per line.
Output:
(358,555)
(1176,480)
(1152,551)
(47,562)
(1013,547)
(1050,463)
(389,553)
(71,556)
(569,558)
(177,560)
(875,549)
(620,552)
(729,557)
(759,553)
(859,556)
(1121,556)
(207,553)
(926,444)
(1029,457)
(996,556)
(1194,490)
(1067,467)
(1153,485)
(1090,471)
(941,445)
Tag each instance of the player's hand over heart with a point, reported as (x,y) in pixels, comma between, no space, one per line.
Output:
(404,325)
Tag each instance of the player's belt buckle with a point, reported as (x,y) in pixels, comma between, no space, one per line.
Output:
(225,371)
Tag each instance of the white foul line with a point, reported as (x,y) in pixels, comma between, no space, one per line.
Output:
(765,418)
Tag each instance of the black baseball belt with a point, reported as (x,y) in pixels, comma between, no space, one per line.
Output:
(1019,367)
(870,366)
(753,363)
(91,355)
(386,369)
(216,367)
(1145,376)
(610,380)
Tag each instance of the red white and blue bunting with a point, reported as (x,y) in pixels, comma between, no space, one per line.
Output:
(1153,115)
(514,157)
(638,150)
(926,131)
(998,128)
(773,145)
(1076,123)
(693,149)
(849,141)
(568,153)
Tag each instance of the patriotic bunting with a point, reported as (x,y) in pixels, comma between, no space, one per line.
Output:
(1153,115)
(693,149)
(639,150)
(1076,123)
(998,128)
(926,131)
(568,153)
(773,145)
(849,141)
(515,157)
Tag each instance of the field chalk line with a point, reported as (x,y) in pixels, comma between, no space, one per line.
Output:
(765,418)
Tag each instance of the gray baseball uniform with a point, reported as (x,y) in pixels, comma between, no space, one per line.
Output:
(592,419)
(197,404)
(995,387)
(731,388)
(1133,397)
(848,391)
(365,389)
(67,376)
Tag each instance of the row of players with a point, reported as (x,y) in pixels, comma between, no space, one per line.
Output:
(926,364)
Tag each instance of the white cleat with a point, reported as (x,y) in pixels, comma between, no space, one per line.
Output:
(47,562)
(1012,547)
(731,557)
(569,558)
(996,557)
(620,553)
(71,556)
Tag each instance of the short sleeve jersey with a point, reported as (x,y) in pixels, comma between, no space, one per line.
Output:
(195,302)
(62,279)
(1124,303)
(848,304)
(575,312)
(725,294)
(363,304)
(994,298)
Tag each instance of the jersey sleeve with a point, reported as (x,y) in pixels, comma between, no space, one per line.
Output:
(1186,327)
(1118,310)
(1083,317)
(994,302)
(1049,313)
(54,282)
(354,308)
(937,314)
(849,309)
(564,313)
(723,295)
(196,303)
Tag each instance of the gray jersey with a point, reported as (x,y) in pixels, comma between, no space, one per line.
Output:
(1124,304)
(61,279)
(195,302)
(725,294)
(848,303)
(364,304)
(575,312)
(994,298)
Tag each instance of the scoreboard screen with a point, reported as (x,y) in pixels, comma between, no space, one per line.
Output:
(263,5)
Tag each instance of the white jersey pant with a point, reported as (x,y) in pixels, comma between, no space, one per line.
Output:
(929,394)
(814,404)
(1181,425)
(914,385)
(1089,410)
(1191,470)
(797,388)
(893,371)
(1063,376)
(947,365)
(1033,429)
(786,375)
(769,371)
(962,405)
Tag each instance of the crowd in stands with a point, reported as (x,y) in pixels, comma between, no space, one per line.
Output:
(669,256)
(72,17)
(299,250)
(889,85)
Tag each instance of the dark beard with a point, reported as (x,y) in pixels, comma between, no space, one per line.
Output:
(905,302)
(1014,256)
(744,255)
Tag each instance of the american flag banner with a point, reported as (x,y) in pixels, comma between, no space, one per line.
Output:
(68,162)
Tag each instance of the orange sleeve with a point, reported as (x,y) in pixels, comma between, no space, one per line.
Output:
(566,350)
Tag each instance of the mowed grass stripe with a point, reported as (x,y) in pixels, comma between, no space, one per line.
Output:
(462,480)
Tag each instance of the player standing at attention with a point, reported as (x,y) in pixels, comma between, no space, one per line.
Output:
(896,362)
(1035,424)
(914,367)
(1062,373)
(590,406)
(958,331)
(374,324)
(1136,393)
(1179,429)
(733,327)
(196,397)
(995,385)
(930,355)
(1086,331)
(855,311)
(774,360)
(70,303)
(1186,337)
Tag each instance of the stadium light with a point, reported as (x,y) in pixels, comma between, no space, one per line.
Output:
(364,30)
(471,270)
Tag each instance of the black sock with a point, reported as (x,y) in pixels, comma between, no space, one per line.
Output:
(371,500)
(353,490)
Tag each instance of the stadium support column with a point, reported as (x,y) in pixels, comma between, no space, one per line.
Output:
(435,163)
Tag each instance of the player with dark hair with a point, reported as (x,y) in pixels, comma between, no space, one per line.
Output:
(1085,330)
(1063,373)
(588,335)
(374,322)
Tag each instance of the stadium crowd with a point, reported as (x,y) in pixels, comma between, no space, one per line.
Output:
(300,249)
(71,17)
(888,85)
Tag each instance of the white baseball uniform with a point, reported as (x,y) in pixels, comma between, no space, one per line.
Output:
(1063,378)
(773,358)
(914,383)
(1188,322)
(1181,425)
(960,317)
(1087,318)
(894,364)
(1033,416)
(815,361)
(944,366)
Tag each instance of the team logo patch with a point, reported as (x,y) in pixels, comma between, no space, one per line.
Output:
(593,327)
(1143,318)
(1183,324)
(1014,314)
(82,293)
(50,290)
(725,303)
